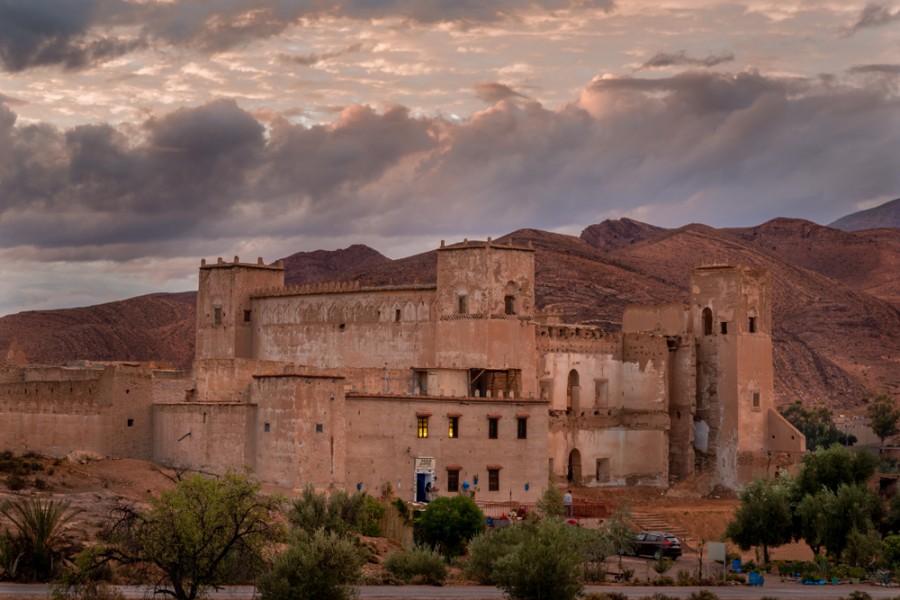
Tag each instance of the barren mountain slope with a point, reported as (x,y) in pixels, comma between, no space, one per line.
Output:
(832,344)
(884,215)
(325,265)
(156,327)
(867,261)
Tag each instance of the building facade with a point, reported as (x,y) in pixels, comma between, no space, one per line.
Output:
(453,386)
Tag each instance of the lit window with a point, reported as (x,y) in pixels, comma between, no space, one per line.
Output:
(453,427)
(422,427)
(493,423)
(522,428)
(452,480)
(493,480)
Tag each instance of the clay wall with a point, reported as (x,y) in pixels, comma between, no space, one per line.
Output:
(612,456)
(669,319)
(55,411)
(300,430)
(359,331)
(682,405)
(204,436)
(382,433)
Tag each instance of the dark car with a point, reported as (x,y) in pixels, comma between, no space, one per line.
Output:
(656,544)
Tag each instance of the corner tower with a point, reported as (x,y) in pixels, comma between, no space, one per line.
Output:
(736,418)
(224,312)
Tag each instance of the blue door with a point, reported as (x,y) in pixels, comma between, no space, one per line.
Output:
(420,486)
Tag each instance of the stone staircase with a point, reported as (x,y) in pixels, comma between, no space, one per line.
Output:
(650,520)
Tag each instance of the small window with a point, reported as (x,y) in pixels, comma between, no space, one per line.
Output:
(509,303)
(462,304)
(319,428)
(493,425)
(755,400)
(453,427)
(267,428)
(131,422)
(601,393)
(752,325)
(247,316)
(452,480)
(422,427)
(522,428)
(217,315)
(397,315)
(723,327)
(493,480)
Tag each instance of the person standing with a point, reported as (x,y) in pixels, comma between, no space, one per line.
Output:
(567,503)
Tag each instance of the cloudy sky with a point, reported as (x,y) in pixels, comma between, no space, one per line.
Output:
(137,136)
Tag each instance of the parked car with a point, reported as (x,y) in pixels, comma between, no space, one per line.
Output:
(656,544)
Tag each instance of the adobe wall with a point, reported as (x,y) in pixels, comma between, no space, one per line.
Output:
(58,410)
(204,436)
(300,431)
(663,319)
(382,435)
(615,455)
(353,330)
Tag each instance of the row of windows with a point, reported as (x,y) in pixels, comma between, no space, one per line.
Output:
(723,325)
(453,427)
(462,304)
(493,480)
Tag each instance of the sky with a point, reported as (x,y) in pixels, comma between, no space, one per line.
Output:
(139,136)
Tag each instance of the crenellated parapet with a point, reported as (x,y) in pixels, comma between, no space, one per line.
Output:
(577,338)
(337,287)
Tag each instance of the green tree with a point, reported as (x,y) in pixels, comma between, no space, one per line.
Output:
(31,551)
(817,425)
(319,566)
(489,546)
(449,522)
(195,535)
(883,416)
(831,467)
(550,504)
(763,518)
(545,566)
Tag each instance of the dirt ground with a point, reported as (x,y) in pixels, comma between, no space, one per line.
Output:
(94,487)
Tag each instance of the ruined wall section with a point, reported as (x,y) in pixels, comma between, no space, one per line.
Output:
(382,431)
(300,431)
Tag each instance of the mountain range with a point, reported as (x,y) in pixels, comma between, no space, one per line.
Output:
(836,298)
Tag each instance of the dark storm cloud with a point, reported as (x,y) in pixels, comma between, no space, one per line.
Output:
(36,33)
(874,15)
(885,69)
(77,33)
(666,59)
(493,92)
(699,146)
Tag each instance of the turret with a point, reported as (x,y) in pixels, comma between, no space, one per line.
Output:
(224,310)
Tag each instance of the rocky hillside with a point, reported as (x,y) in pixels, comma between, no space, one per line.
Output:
(837,315)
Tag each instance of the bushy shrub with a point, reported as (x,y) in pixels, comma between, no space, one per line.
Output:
(489,546)
(321,566)
(662,564)
(418,564)
(448,523)
(663,581)
(545,565)
(605,596)
(857,595)
(340,512)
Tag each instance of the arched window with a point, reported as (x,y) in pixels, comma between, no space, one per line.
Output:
(707,321)
(752,321)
